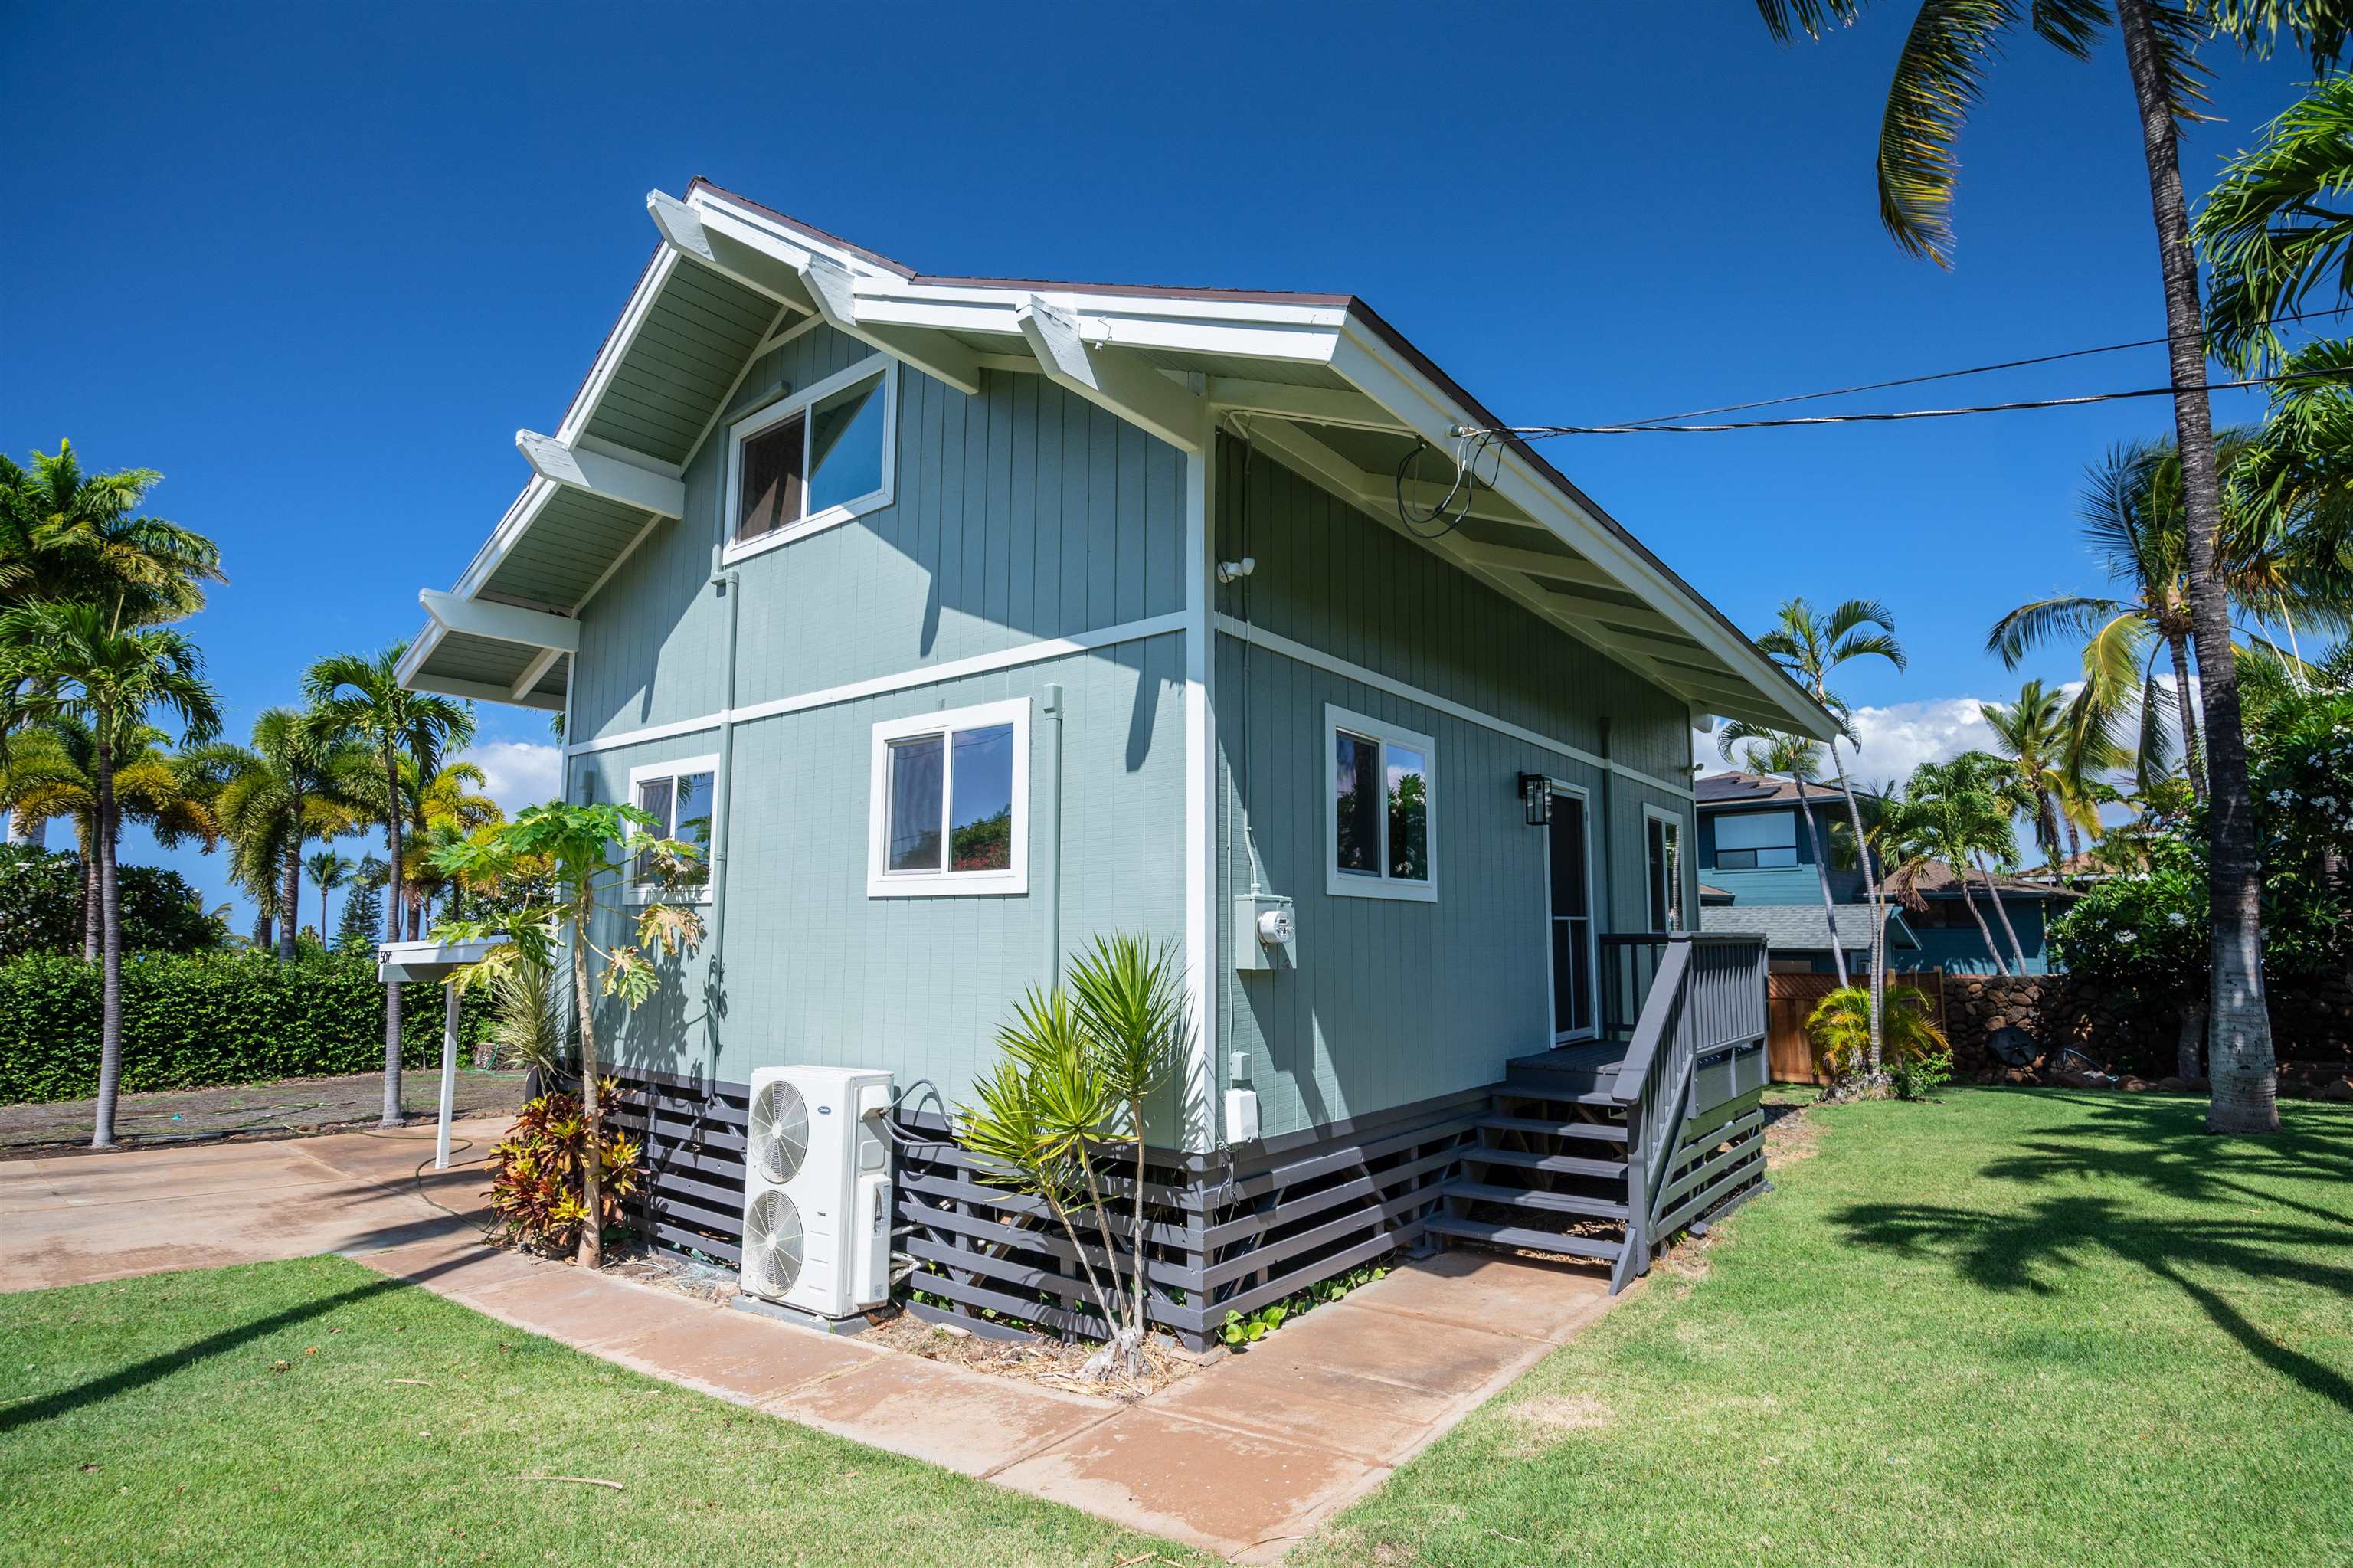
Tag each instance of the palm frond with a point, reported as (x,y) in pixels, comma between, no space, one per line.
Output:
(1784,19)
(2273,228)
(2045,620)
(1939,79)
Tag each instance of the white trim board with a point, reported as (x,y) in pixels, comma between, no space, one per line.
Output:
(904,680)
(1274,643)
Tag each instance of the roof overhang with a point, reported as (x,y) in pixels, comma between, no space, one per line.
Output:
(1319,381)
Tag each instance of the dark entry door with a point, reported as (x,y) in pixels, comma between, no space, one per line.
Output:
(1572,920)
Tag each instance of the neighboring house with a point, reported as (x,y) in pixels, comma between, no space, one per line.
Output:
(969,618)
(1754,852)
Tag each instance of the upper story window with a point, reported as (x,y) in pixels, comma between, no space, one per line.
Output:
(807,461)
(678,796)
(1754,841)
(1380,835)
(950,806)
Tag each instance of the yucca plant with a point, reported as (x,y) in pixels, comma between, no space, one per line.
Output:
(1081,1064)
(1910,1042)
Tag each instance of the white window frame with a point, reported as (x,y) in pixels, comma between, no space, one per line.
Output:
(784,408)
(883,883)
(648,893)
(1651,813)
(1367,885)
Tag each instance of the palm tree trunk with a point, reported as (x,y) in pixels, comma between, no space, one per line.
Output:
(2048,811)
(1877,902)
(1823,875)
(2193,756)
(1993,892)
(2245,1071)
(1961,880)
(393,1116)
(90,921)
(110,902)
(591,1253)
(292,899)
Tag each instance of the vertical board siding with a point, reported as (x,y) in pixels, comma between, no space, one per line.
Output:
(816,971)
(1393,1001)
(1020,514)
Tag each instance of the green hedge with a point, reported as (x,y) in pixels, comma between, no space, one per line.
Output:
(196,1019)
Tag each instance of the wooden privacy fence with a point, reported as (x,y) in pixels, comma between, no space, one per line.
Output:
(1790,998)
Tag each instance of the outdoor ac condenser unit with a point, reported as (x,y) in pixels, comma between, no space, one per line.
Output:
(816,1190)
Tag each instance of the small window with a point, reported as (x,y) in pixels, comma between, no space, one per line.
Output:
(950,803)
(1756,841)
(1662,837)
(1380,826)
(678,796)
(810,461)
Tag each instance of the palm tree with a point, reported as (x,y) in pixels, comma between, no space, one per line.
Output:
(441,812)
(1953,819)
(72,660)
(1774,754)
(77,538)
(2049,765)
(51,770)
(1810,648)
(359,698)
(1938,79)
(289,787)
(327,871)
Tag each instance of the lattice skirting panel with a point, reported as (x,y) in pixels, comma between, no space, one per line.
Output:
(1226,1234)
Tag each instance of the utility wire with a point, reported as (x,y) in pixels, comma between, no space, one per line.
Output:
(1952,375)
(1538,432)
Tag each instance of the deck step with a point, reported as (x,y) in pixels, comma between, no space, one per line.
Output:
(1559,1164)
(1520,1236)
(1528,1198)
(1606,1131)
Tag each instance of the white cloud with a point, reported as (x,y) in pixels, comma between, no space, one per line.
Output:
(1899,737)
(520,772)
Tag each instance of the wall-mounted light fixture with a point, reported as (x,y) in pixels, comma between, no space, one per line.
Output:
(1535,794)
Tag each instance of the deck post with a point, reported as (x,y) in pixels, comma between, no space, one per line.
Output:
(448,1073)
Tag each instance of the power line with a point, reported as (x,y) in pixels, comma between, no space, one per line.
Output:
(1538,432)
(1952,375)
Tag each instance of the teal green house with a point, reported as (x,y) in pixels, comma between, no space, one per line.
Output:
(1758,867)
(967,618)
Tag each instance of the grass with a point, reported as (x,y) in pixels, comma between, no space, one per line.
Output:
(251,1414)
(2013,1327)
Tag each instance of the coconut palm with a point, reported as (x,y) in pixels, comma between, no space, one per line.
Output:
(327,871)
(1948,820)
(1938,79)
(1775,754)
(359,698)
(290,785)
(1811,647)
(2051,766)
(441,811)
(73,536)
(71,660)
(51,770)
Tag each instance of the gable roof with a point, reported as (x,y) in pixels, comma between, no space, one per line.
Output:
(1756,789)
(1935,880)
(1799,928)
(1319,381)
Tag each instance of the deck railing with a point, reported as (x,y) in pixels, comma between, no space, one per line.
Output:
(1698,1019)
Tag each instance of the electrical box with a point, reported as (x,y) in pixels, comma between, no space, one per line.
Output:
(1265,932)
(1241,1116)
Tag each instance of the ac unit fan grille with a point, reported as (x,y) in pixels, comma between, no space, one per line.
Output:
(774,1245)
(779,1132)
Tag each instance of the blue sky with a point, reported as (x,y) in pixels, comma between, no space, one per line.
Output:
(317,264)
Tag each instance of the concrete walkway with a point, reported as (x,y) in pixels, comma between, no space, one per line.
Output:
(1244,1457)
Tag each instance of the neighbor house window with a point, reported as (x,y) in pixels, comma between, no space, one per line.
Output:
(1752,841)
(1662,838)
(814,458)
(950,803)
(1380,824)
(678,796)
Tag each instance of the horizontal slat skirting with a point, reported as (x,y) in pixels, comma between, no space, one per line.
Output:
(679,1236)
(1386,1214)
(913,1209)
(726,1170)
(1322,1269)
(947,1187)
(1360,1188)
(1699,1174)
(1721,1190)
(1325,1162)
(725,1199)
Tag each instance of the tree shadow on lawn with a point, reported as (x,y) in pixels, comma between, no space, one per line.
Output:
(2164,1148)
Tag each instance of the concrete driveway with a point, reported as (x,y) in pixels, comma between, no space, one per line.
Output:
(79,1217)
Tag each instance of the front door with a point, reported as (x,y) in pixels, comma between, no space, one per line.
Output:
(1572,919)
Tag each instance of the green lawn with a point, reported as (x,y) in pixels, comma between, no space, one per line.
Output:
(2016,1326)
(149,1422)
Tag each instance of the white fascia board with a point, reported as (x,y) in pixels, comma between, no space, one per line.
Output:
(714,240)
(501,622)
(934,354)
(640,482)
(616,344)
(1129,388)
(1375,369)
(420,649)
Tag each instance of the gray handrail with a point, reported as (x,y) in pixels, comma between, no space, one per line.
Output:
(1651,1028)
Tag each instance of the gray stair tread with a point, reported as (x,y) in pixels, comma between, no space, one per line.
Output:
(1516,1235)
(1528,1198)
(1609,1132)
(1564,1164)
